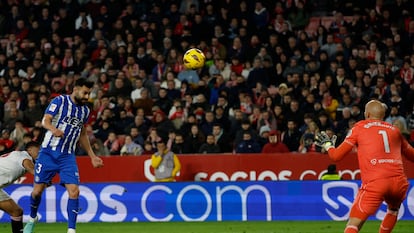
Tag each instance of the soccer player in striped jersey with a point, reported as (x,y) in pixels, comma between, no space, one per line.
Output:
(64,120)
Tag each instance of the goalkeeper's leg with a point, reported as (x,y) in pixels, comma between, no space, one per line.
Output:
(389,221)
(354,225)
(351,229)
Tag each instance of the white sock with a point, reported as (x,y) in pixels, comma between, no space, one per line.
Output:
(32,219)
(70,230)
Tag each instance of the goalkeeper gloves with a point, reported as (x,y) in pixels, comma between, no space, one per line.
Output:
(323,140)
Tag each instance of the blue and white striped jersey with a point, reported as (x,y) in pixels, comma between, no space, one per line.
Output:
(68,117)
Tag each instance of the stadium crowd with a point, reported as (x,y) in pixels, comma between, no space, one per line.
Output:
(269,72)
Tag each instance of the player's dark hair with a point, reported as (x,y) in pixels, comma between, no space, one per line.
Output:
(83,82)
(31,144)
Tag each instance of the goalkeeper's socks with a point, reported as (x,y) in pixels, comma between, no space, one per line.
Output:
(73,208)
(17,224)
(388,223)
(351,229)
(34,205)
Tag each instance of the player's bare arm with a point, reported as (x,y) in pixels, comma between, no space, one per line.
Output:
(85,144)
(29,166)
(47,124)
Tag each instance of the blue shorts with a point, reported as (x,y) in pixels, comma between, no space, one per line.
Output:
(49,163)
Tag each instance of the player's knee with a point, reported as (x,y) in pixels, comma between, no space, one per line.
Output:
(16,212)
(38,190)
(392,211)
(37,193)
(73,193)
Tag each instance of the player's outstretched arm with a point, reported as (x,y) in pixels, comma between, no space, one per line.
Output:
(328,144)
(339,153)
(407,150)
(86,145)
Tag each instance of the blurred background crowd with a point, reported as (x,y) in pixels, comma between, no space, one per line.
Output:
(277,71)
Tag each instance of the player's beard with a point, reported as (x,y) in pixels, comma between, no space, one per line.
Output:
(80,101)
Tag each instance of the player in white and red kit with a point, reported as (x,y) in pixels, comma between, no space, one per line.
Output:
(13,165)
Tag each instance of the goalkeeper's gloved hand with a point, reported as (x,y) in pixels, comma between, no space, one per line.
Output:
(323,140)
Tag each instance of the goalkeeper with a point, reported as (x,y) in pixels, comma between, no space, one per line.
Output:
(380,148)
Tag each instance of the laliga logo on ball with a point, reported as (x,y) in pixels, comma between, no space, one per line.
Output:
(194,59)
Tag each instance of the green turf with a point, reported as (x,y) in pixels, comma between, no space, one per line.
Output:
(216,227)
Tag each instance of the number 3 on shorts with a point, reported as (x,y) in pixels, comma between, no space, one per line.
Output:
(38,168)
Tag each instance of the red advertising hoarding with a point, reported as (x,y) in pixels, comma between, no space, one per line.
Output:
(222,167)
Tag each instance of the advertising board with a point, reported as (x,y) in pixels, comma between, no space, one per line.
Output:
(204,201)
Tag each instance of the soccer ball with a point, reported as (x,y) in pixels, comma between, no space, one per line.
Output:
(194,59)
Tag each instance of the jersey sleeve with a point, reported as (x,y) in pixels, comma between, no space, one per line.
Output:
(53,107)
(20,156)
(86,118)
(407,150)
(346,146)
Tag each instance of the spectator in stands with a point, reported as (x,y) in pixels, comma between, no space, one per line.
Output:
(131,68)
(6,141)
(403,129)
(324,122)
(395,115)
(161,123)
(17,134)
(163,101)
(299,17)
(190,76)
(136,135)
(329,104)
(122,122)
(275,144)
(193,140)
(178,144)
(148,149)
(291,136)
(119,86)
(99,148)
(32,113)
(159,71)
(210,146)
(130,147)
(264,130)
(112,144)
(139,87)
(248,144)
(222,139)
(245,126)
(208,122)
(307,143)
(145,102)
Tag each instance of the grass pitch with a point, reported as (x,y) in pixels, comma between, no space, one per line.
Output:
(214,227)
